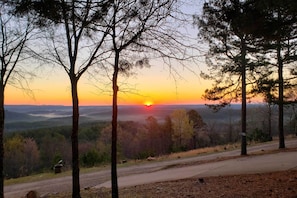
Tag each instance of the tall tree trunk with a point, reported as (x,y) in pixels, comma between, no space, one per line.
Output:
(280,96)
(74,140)
(114,177)
(269,121)
(2,113)
(243,95)
(230,124)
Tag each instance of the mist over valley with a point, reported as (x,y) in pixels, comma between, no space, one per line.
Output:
(23,117)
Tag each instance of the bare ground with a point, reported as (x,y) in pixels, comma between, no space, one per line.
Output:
(280,184)
(274,185)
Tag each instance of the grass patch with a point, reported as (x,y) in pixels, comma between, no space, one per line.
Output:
(34,178)
(51,175)
(201,151)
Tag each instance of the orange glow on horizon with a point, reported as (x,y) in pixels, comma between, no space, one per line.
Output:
(148,103)
(151,87)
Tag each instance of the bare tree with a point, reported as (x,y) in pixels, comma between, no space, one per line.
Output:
(72,45)
(14,36)
(139,30)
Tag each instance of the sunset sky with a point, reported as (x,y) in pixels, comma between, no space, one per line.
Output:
(155,85)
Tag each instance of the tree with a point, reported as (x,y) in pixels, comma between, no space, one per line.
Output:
(76,32)
(54,147)
(182,128)
(267,88)
(227,26)
(14,36)
(31,155)
(166,129)
(158,137)
(154,134)
(21,156)
(138,28)
(198,123)
(278,33)
(14,156)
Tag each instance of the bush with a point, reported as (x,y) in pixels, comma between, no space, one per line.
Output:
(145,154)
(93,157)
(90,158)
(258,136)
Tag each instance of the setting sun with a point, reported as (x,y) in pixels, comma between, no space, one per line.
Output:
(148,104)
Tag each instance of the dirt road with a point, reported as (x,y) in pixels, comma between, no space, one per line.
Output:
(165,170)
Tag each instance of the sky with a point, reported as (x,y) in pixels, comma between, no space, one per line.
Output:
(154,85)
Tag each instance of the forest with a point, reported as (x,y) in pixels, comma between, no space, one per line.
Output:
(32,151)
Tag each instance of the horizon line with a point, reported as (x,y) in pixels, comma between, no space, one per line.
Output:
(105,105)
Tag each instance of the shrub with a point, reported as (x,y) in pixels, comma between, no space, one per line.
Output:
(145,154)
(94,157)
(90,158)
(259,136)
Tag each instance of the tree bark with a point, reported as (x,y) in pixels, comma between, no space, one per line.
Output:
(269,121)
(280,97)
(114,177)
(74,140)
(243,103)
(2,117)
